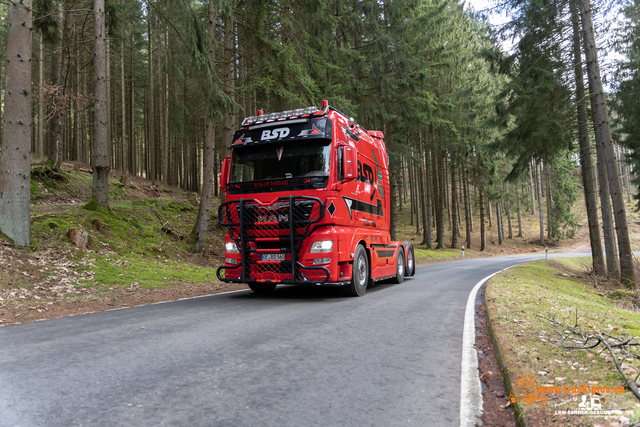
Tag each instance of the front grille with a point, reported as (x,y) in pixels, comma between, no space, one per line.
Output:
(278,227)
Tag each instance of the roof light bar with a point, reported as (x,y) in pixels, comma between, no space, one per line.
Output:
(287,114)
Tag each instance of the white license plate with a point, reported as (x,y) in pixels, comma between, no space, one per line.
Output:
(272,257)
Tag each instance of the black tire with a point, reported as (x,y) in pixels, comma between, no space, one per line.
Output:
(411,263)
(400,266)
(262,288)
(359,274)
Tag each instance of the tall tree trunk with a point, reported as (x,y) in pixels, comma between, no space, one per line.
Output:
(585,151)
(508,210)
(164,159)
(15,172)
(519,218)
(442,197)
(402,182)
(603,137)
(123,114)
(499,223)
(151,112)
(58,81)
(229,80)
(133,159)
(533,190)
(434,190)
(550,220)
(454,206)
(539,174)
(168,145)
(204,212)
(628,173)
(414,216)
(77,115)
(445,180)
(468,187)
(467,208)
(41,100)
(427,215)
(101,144)
(483,235)
(110,133)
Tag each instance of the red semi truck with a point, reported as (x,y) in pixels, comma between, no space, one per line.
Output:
(307,203)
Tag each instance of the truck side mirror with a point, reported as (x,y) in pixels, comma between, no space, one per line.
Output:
(224,174)
(349,163)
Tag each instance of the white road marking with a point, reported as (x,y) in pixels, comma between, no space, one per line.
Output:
(470,388)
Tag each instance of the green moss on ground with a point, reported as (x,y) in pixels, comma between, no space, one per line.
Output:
(125,271)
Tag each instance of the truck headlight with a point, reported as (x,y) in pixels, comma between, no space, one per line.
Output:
(321,246)
(231,247)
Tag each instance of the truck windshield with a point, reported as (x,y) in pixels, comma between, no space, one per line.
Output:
(281,160)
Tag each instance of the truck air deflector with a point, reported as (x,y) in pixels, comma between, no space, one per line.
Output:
(270,236)
(287,130)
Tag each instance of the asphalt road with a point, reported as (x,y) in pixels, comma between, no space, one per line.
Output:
(301,357)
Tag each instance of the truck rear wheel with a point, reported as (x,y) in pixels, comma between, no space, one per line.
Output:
(262,288)
(411,263)
(360,274)
(400,266)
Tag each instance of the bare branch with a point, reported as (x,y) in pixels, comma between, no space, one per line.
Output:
(631,384)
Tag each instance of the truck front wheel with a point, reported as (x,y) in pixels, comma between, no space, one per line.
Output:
(399,266)
(360,273)
(262,288)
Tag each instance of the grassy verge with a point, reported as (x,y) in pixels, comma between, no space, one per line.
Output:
(561,289)
(425,256)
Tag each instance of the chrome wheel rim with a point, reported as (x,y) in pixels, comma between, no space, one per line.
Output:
(400,264)
(410,261)
(362,271)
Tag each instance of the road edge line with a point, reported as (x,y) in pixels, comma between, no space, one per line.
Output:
(470,387)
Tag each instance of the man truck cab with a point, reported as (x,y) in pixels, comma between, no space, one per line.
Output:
(307,203)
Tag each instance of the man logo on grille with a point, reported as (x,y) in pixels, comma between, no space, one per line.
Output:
(279,151)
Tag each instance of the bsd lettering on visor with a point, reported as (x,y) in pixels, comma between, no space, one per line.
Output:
(273,134)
